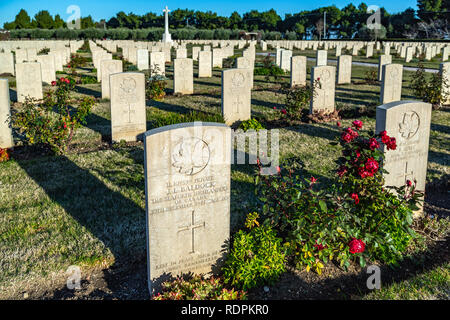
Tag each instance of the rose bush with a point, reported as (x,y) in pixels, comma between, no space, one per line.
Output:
(52,122)
(354,218)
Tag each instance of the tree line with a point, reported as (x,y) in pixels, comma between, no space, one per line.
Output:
(429,21)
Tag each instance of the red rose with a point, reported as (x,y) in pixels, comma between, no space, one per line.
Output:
(278,170)
(364,173)
(346,137)
(313,180)
(357,124)
(408,183)
(283,111)
(372,165)
(373,144)
(356,246)
(53,83)
(355,197)
(338,124)
(385,138)
(349,134)
(392,144)
(274,108)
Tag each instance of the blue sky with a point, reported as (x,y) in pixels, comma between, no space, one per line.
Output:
(99,9)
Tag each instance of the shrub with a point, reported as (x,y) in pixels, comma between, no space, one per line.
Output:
(371,76)
(156,84)
(88,80)
(353,217)
(44,51)
(384,214)
(222,34)
(251,124)
(429,89)
(40,125)
(256,258)
(197,288)
(299,97)
(290,35)
(4,155)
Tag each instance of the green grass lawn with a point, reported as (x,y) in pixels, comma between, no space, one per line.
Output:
(87,208)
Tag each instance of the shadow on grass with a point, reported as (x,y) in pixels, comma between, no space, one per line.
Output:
(115,220)
(293,286)
(88,91)
(267,104)
(441,128)
(439,158)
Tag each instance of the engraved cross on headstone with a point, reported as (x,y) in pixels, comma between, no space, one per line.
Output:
(192,228)
(129,111)
(237,104)
(407,175)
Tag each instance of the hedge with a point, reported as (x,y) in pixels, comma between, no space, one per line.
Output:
(150,34)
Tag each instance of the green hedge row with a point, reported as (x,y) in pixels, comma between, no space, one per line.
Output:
(152,34)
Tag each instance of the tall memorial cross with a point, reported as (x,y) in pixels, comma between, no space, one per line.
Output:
(166,36)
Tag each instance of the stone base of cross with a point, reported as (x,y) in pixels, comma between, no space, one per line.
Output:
(167,38)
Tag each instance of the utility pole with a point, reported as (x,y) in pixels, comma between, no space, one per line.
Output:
(324,24)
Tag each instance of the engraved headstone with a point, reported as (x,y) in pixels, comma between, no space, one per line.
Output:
(246,63)
(384,59)
(321,57)
(391,83)
(195,51)
(217,58)
(21,55)
(183,76)
(6,138)
(204,64)
(48,71)
(109,67)
(323,100)
(298,71)
(181,53)
(444,69)
(409,123)
(344,69)
(236,95)
(158,63)
(128,116)
(142,59)
(28,81)
(285,63)
(187,183)
(7,63)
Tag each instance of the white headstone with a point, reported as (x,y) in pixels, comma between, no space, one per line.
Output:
(6,138)
(128,116)
(187,183)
